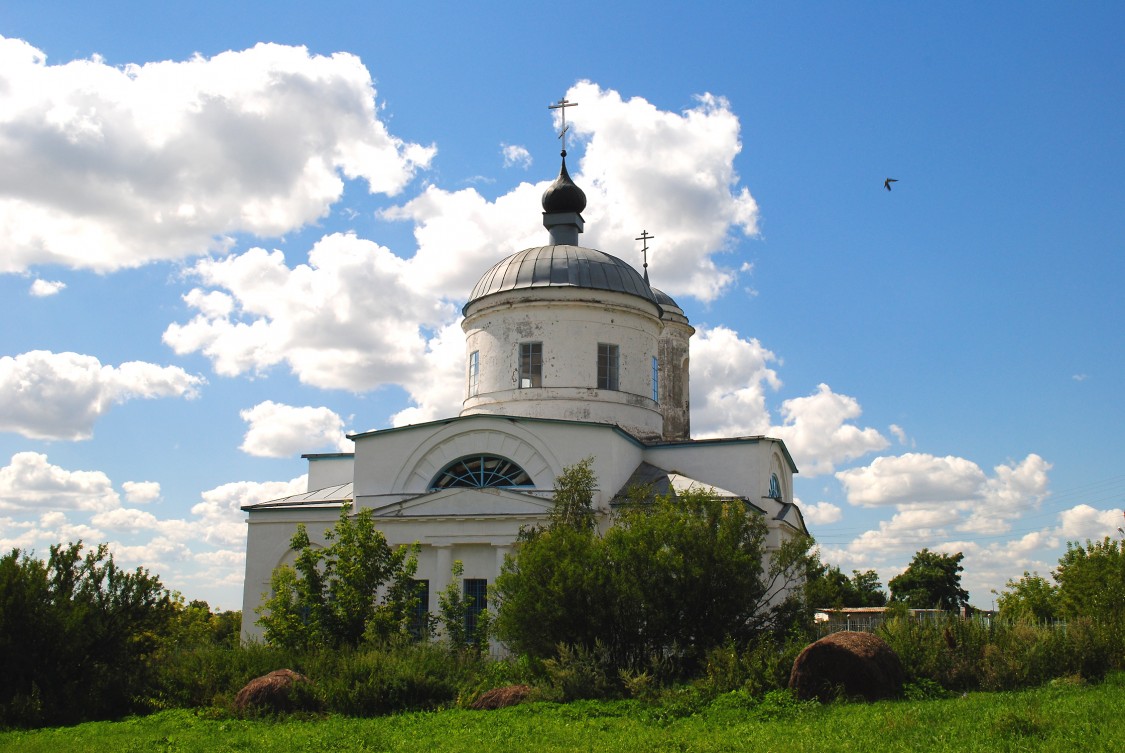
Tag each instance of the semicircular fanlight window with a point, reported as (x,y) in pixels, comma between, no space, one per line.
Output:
(480,472)
(775,487)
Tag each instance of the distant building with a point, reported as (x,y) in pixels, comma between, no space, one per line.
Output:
(570,353)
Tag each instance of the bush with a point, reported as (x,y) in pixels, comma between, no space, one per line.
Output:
(77,636)
(370,681)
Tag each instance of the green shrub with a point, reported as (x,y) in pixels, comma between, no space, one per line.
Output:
(374,680)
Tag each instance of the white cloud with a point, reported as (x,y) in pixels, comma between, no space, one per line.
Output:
(221,520)
(821,513)
(30,482)
(277,430)
(912,478)
(648,168)
(125,519)
(141,492)
(110,167)
(347,319)
(60,395)
(439,388)
(814,429)
(728,380)
(45,288)
(1083,522)
(516,156)
(1014,490)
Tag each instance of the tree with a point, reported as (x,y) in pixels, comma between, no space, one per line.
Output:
(77,635)
(931,581)
(826,587)
(670,580)
(1032,598)
(574,497)
(1091,580)
(356,588)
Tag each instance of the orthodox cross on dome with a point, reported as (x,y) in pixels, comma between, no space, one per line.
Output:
(562,104)
(646,238)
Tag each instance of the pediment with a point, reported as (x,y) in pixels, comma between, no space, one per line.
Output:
(466,502)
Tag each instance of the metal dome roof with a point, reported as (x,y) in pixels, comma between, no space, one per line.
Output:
(561,266)
(663,298)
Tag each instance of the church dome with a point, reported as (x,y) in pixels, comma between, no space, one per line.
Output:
(663,298)
(563,195)
(561,266)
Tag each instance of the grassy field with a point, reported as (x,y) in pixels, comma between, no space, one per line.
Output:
(1060,717)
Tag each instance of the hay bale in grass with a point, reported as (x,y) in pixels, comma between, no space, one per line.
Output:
(856,665)
(278,692)
(499,698)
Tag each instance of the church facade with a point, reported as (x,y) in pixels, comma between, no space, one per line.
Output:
(570,354)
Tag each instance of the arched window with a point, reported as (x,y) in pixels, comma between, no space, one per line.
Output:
(775,487)
(480,472)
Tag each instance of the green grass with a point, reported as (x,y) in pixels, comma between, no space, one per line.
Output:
(1058,717)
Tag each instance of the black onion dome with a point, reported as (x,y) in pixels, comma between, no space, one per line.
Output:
(563,195)
(561,266)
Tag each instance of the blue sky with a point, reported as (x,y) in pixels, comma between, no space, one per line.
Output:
(944,360)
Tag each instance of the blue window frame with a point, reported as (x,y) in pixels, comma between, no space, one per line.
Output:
(655,380)
(775,487)
(476,594)
(480,472)
(474,372)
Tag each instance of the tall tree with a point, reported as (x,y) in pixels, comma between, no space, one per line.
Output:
(931,581)
(1091,580)
(671,579)
(1032,598)
(356,588)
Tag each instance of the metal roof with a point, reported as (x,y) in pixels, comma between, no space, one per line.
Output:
(561,266)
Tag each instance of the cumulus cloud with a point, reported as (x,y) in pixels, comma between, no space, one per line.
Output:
(949,504)
(45,288)
(816,431)
(729,376)
(642,167)
(515,156)
(107,167)
(141,492)
(913,478)
(278,431)
(821,513)
(647,167)
(60,395)
(30,482)
(348,319)
(221,520)
(1083,522)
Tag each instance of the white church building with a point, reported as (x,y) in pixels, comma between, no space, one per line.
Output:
(570,354)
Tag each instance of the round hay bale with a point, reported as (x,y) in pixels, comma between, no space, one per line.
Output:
(499,698)
(848,663)
(275,692)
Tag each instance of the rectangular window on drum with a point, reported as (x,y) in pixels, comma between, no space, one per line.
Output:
(531,365)
(607,366)
(474,372)
(655,380)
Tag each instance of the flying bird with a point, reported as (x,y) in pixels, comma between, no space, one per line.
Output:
(887,183)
